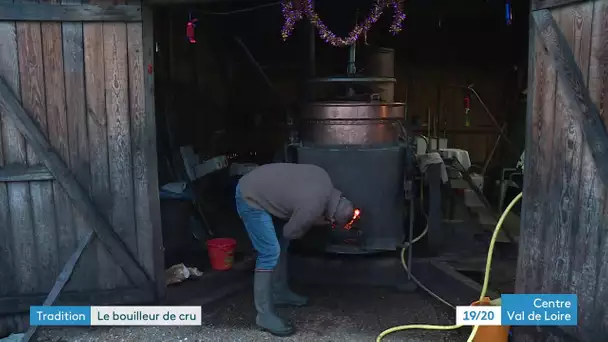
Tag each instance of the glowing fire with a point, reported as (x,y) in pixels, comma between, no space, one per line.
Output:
(356,215)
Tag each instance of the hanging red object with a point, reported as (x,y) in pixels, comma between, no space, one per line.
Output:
(467,109)
(190,26)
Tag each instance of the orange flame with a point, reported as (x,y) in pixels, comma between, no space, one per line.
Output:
(356,215)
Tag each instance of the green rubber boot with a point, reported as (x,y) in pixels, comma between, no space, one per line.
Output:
(283,296)
(267,319)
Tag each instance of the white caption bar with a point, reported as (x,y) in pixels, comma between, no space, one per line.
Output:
(478,315)
(145,315)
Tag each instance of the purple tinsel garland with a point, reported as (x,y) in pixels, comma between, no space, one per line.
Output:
(293,15)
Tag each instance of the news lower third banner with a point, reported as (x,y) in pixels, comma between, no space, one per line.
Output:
(523,310)
(114,315)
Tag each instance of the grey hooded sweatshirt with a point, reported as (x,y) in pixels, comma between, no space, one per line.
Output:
(299,193)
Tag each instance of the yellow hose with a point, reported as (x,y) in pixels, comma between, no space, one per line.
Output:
(484,288)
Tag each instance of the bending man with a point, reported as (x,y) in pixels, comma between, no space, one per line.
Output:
(300,194)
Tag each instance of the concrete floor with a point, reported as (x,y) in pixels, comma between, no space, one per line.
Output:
(336,314)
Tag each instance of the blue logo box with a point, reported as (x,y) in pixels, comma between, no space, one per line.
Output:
(539,309)
(60,315)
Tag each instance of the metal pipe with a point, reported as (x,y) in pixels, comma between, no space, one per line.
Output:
(437,116)
(411,238)
(428,129)
(435,122)
(491,155)
(312,71)
(483,104)
(492,117)
(256,64)
(407,91)
(351,69)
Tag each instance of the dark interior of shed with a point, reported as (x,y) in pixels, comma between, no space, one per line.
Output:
(228,93)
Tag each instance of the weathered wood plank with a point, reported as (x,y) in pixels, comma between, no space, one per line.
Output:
(62,279)
(73,64)
(20,231)
(23,173)
(54,86)
(553,230)
(118,129)
(574,86)
(575,24)
(36,139)
(593,260)
(576,218)
(44,240)
(546,4)
(63,13)
(598,66)
(539,139)
(139,141)
(107,275)
(150,153)
(570,227)
(6,249)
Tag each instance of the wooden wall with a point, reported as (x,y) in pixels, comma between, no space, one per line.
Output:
(83,83)
(565,216)
(433,87)
(212,86)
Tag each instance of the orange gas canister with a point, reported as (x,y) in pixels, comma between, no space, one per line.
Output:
(490,333)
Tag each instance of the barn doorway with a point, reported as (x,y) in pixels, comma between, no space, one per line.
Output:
(225,94)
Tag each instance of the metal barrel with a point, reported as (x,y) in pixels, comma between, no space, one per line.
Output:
(358,144)
(351,123)
(381,63)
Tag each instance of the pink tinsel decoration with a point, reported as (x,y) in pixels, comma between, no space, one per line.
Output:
(291,14)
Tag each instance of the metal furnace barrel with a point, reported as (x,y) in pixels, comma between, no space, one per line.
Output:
(358,144)
(351,123)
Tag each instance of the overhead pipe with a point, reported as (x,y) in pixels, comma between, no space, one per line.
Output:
(256,64)
(312,68)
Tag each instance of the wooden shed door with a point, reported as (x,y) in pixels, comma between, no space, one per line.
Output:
(77,156)
(565,216)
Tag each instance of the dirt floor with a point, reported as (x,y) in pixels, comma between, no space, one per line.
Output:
(335,314)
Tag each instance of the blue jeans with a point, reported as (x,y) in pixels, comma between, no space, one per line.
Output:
(262,233)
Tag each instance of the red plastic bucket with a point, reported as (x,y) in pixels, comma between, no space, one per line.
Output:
(221,253)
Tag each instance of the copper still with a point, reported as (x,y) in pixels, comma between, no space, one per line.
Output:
(353,129)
